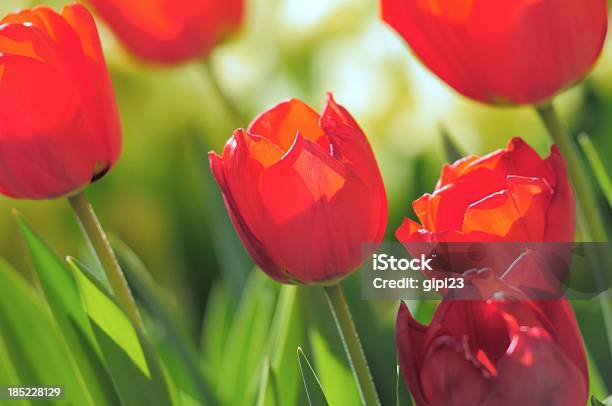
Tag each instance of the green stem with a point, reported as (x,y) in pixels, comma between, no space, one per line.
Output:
(236,116)
(99,242)
(585,195)
(352,345)
(589,216)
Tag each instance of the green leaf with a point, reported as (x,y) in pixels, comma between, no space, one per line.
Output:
(423,310)
(8,374)
(606,402)
(35,347)
(172,341)
(268,389)
(327,351)
(246,341)
(132,364)
(597,165)
(596,382)
(451,150)
(62,295)
(214,332)
(287,334)
(312,385)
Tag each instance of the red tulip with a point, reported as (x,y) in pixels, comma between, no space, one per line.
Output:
(59,127)
(304,192)
(504,51)
(170,31)
(494,353)
(508,195)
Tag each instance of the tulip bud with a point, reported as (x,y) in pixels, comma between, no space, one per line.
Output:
(503,51)
(170,31)
(59,127)
(304,192)
(494,353)
(509,195)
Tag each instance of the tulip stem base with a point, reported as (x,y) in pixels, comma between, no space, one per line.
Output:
(99,242)
(352,345)
(590,216)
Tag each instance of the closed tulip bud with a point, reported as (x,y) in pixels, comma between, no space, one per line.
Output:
(503,51)
(494,353)
(304,192)
(170,31)
(59,127)
(509,195)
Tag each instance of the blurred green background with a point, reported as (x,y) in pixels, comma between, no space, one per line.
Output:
(160,198)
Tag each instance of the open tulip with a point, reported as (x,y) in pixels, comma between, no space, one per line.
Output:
(494,353)
(304,192)
(509,195)
(59,127)
(170,31)
(505,51)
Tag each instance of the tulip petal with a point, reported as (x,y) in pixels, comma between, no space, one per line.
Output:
(410,337)
(281,123)
(559,313)
(84,25)
(21,40)
(410,231)
(453,372)
(516,214)
(101,107)
(305,176)
(255,248)
(535,371)
(42,150)
(245,157)
(474,180)
(563,204)
(310,191)
(450,172)
(349,144)
(481,321)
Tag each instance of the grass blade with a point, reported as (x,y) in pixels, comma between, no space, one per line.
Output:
(312,385)
(326,350)
(214,332)
(596,402)
(451,151)
(597,165)
(287,334)
(268,389)
(247,341)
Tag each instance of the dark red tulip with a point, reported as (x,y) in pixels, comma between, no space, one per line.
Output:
(304,192)
(508,195)
(503,51)
(170,31)
(59,127)
(494,353)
